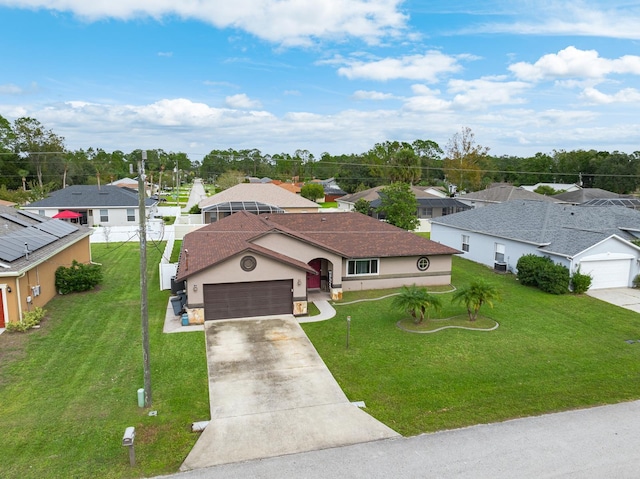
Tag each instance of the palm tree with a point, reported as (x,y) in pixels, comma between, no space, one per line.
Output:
(416,301)
(476,294)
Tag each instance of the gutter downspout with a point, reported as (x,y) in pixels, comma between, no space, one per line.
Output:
(19,296)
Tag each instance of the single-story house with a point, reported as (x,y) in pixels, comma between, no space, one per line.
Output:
(332,190)
(501,192)
(98,205)
(258,265)
(595,239)
(430,205)
(32,247)
(255,198)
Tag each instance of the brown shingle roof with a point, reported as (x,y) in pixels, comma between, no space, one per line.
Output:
(351,235)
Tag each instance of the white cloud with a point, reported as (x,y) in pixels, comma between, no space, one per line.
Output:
(626,95)
(613,19)
(242,102)
(372,95)
(10,89)
(426,100)
(428,67)
(165,54)
(574,63)
(486,92)
(287,22)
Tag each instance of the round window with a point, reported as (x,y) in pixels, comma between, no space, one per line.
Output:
(423,263)
(248,263)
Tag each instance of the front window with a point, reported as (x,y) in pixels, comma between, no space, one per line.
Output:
(131,214)
(357,267)
(104,216)
(465,243)
(499,253)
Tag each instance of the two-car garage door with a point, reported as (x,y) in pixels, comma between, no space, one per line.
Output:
(607,271)
(238,300)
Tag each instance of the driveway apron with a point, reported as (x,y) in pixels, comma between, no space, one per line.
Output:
(627,298)
(271,394)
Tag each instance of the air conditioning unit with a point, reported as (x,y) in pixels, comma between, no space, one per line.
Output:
(502,267)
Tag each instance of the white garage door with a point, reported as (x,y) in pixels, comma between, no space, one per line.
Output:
(611,273)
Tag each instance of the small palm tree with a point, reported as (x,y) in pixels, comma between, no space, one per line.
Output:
(416,301)
(476,294)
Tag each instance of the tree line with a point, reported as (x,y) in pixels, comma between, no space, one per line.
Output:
(35,160)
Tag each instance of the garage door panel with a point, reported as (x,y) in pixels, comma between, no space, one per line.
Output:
(607,273)
(258,298)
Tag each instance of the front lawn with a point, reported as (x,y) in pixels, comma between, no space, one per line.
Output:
(68,390)
(550,353)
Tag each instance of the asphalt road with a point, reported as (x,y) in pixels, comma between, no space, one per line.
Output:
(601,442)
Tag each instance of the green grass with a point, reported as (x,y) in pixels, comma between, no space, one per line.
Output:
(175,252)
(550,353)
(329,204)
(68,390)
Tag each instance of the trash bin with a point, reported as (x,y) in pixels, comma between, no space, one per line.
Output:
(185,319)
(176,303)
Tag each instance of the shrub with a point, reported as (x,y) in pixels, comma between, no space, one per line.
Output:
(529,267)
(554,279)
(543,273)
(636,281)
(580,282)
(78,277)
(29,320)
(194,210)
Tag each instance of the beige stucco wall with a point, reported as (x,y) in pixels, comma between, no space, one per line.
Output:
(230,272)
(42,274)
(396,272)
(301,251)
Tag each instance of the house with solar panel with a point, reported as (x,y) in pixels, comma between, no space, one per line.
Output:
(32,247)
(98,205)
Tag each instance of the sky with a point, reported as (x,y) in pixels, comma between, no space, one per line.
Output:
(334,76)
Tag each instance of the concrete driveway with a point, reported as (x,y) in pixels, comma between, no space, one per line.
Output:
(628,298)
(271,394)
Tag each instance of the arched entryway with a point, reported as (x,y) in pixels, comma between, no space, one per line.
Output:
(322,279)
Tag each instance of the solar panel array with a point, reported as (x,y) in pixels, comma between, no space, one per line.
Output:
(33,216)
(17,244)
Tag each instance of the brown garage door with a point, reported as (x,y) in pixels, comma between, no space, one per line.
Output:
(258,298)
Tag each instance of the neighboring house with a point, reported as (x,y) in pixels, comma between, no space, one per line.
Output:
(564,187)
(125,183)
(595,239)
(7,203)
(332,190)
(429,205)
(503,192)
(583,195)
(32,247)
(98,205)
(259,265)
(255,198)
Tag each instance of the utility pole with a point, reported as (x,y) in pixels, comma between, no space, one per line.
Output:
(144,309)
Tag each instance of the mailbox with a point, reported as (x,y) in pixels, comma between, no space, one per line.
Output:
(129,436)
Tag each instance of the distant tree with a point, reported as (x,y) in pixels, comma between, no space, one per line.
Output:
(546,190)
(312,191)
(416,301)
(399,206)
(463,164)
(37,144)
(230,178)
(362,206)
(475,295)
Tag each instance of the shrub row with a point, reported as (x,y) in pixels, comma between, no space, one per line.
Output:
(78,277)
(543,273)
(29,320)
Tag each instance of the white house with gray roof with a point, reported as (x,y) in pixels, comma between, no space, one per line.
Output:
(595,239)
(98,205)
